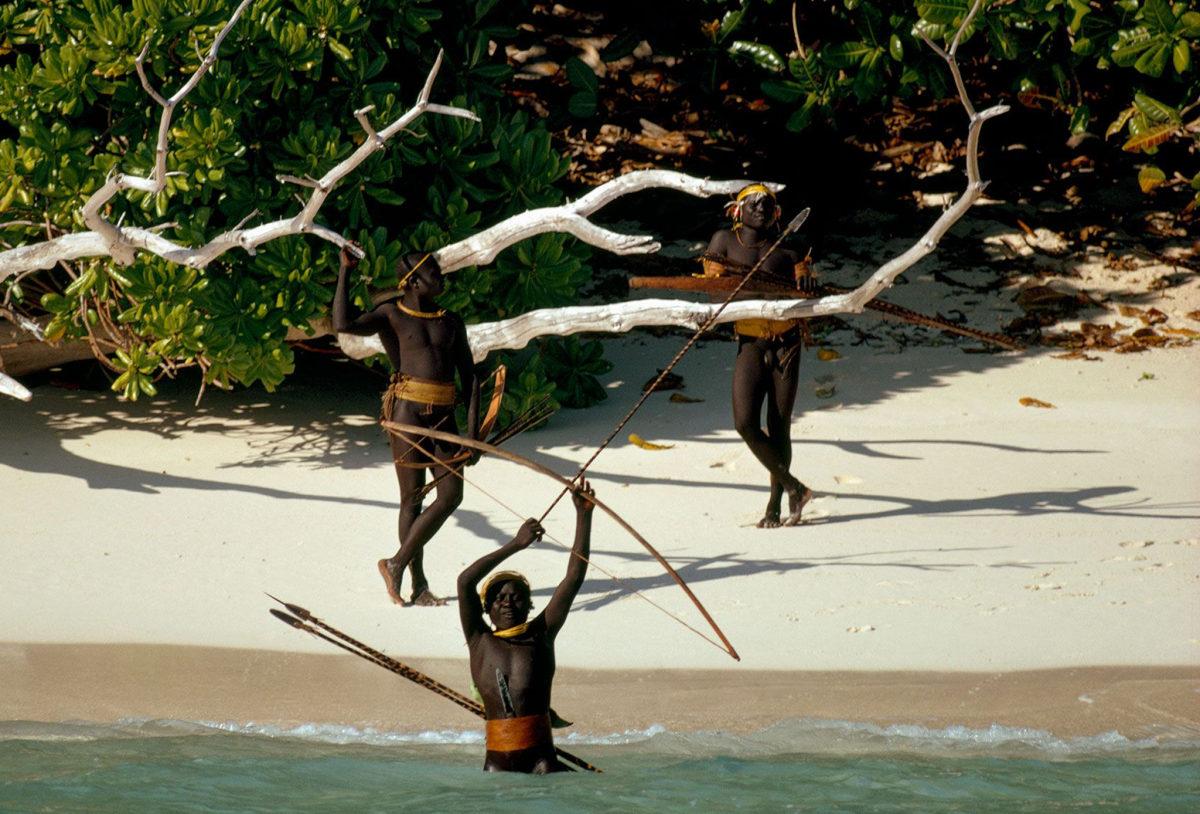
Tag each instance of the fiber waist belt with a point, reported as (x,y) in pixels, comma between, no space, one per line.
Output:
(514,734)
(769,328)
(421,391)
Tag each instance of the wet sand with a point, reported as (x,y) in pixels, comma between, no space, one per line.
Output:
(106,683)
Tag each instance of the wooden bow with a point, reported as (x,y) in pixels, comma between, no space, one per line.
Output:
(438,435)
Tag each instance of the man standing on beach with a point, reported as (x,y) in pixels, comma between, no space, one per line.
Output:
(426,346)
(512,662)
(768,359)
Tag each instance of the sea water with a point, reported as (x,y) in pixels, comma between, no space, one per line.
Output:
(799,765)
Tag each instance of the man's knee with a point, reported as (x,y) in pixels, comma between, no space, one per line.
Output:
(450,499)
(747,427)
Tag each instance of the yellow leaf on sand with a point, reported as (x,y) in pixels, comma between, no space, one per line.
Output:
(638,441)
(1028,402)
(827,354)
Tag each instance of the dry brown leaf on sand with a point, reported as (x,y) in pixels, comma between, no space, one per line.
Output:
(638,441)
(1029,402)
(671,381)
(680,398)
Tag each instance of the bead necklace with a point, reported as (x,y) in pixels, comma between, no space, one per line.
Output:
(421,314)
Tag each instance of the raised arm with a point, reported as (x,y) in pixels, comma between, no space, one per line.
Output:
(560,604)
(362,325)
(470,609)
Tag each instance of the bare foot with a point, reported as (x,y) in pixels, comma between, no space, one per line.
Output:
(426,598)
(797,499)
(390,582)
(770,519)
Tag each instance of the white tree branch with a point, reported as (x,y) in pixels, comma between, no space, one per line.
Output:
(481,248)
(116,182)
(11,387)
(122,243)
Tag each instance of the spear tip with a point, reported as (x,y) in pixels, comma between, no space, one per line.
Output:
(798,221)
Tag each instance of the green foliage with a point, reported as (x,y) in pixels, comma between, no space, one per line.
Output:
(280,100)
(1052,48)
(574,366)
(1082,61)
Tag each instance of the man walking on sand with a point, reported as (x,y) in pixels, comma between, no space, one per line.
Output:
(426,346)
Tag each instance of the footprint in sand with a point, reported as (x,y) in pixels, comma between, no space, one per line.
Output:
(1044,586)
(1137,544)
(860,629)
(846,480)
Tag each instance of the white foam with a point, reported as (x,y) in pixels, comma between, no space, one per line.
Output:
(794,736)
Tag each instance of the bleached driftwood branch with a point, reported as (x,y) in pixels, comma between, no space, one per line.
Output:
(122,243)
(482,248)
(11,387)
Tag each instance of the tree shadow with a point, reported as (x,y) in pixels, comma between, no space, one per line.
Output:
(1020,504)
(599,592)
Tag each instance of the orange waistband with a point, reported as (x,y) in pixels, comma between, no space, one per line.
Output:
(514,734)
(769,328)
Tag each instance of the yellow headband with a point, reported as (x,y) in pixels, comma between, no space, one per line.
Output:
(414,271)
(501,576)
(753,189)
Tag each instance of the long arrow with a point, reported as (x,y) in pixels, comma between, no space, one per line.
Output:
(390,664)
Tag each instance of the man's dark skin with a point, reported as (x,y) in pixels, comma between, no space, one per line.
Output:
(526,661)
(764,371)
(431,348)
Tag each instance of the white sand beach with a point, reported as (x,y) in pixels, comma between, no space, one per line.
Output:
(958,539)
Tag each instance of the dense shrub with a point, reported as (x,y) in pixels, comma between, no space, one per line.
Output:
(280,100)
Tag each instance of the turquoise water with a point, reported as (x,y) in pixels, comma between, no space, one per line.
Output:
(171,766)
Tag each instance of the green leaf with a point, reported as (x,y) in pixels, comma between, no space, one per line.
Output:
(1157,14)
(582,105)
(1119,122)
(622,45)
(846,54)
(764,56)
(1079,120)
(942,12)
(582,77)
(1181,57)
(1155,110)
(1153,60)
(783,90)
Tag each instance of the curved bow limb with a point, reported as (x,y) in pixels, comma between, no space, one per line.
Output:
(438,435)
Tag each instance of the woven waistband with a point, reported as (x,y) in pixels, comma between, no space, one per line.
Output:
(420,391)
(767,328)
(515,734)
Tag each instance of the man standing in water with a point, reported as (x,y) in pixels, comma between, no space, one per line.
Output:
(426,346)
(768,361)
(512,662)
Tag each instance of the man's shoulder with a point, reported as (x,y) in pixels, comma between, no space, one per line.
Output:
(722,237)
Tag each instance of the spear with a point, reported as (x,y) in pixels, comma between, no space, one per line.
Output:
(363,651)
